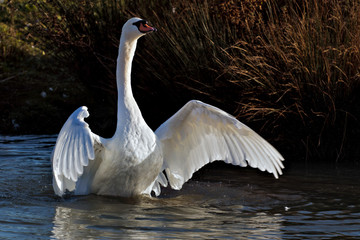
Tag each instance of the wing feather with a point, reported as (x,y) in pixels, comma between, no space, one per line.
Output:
(74,147)
(71,160)
(200,133)
(64,164)
(78,168)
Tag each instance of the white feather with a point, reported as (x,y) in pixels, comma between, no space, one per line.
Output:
(200,133)
(74,147)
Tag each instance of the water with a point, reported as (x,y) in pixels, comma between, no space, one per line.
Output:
(231,203)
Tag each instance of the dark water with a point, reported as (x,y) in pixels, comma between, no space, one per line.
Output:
(235,203)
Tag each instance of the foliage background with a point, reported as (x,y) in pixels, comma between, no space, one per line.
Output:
(288,69)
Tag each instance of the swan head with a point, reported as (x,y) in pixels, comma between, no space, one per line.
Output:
(135,28)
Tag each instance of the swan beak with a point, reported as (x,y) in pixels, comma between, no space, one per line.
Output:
(145,28)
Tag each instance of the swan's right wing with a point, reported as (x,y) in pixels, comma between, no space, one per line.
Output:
(75,146)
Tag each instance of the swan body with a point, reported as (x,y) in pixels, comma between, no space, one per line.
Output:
(134,160)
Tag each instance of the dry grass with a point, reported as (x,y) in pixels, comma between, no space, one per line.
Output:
(290,69)
(301,71)
(294,73)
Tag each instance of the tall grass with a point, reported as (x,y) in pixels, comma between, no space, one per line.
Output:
(35,88)
(294,72)
(290,69)
(304,72)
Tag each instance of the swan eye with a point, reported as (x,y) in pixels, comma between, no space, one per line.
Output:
(138,23)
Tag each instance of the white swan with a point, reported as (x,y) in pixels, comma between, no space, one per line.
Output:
(133,160)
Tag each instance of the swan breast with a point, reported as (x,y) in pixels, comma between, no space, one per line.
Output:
(122,175)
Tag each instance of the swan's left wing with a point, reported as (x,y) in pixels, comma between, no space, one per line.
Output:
(200,133)
(75,146)
(156,185)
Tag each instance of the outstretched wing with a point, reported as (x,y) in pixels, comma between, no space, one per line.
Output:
(75,146)
(156,185)
(200,133)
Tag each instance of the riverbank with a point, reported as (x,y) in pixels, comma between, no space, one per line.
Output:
(290,71)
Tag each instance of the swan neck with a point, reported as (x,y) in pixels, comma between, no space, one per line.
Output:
(124,65)
(128,110)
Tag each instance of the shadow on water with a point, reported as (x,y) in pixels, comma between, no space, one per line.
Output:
(221,203)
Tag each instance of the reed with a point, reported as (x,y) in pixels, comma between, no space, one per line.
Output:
(290,69)
(301,71)
(292,73)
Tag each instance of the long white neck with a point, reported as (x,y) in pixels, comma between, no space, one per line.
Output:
(128,110)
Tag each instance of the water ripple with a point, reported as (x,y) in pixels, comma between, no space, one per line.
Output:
(235,203)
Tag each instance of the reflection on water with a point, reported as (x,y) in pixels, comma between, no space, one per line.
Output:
(165,218)
(233,203)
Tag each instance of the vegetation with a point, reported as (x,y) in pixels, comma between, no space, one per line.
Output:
(289,69)
(35,88)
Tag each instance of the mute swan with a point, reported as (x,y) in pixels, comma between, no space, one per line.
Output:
(133,160)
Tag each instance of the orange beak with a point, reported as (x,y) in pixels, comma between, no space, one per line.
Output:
(145,28)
